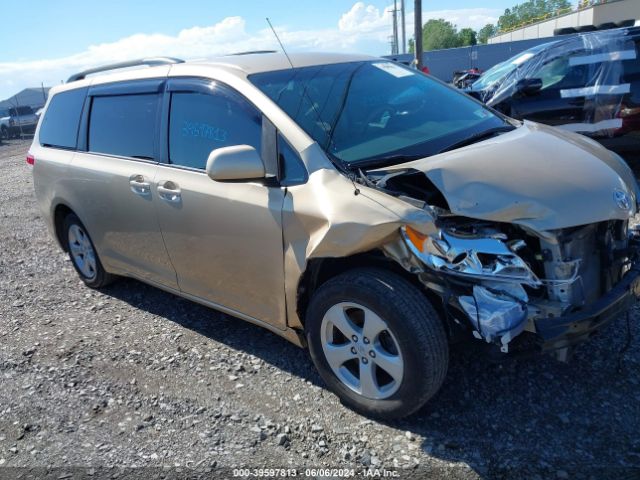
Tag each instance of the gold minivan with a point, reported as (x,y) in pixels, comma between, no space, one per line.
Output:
(347,203)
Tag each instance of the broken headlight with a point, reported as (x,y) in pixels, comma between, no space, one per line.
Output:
(497,311)
(480,257)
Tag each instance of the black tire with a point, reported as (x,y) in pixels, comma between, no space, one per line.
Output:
(626,23)
(564,31)
(101,278)
(4,133)
(412,321)
(606,26)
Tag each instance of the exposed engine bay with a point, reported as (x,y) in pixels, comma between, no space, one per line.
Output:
(500,279)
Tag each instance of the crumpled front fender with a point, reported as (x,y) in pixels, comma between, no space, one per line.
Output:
(331,216)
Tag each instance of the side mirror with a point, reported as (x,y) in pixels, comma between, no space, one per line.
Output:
(529,86)
(239,162)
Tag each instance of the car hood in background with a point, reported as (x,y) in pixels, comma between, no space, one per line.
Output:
(536,176)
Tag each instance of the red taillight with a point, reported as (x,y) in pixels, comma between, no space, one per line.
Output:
(31,159)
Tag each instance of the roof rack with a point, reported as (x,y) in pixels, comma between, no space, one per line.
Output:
(252,52)
(151,62)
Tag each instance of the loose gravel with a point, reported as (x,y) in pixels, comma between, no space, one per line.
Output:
(131,376)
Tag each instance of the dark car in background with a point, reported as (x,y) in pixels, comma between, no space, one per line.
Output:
(589,84)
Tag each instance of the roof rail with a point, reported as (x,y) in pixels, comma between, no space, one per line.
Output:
(252,52)
(151,62)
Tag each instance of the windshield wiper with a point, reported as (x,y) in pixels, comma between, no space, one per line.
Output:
(476,137)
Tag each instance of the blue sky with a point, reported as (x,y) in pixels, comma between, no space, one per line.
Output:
(68,35)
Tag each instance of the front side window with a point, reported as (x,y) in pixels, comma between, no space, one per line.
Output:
(124,125)
(559,73)
(200,123)
(375,112)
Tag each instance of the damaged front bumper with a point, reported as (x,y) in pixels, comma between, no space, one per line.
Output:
(498,295)
(573,328)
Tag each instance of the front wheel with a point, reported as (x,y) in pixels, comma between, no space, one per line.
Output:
(83,254)
(377,342)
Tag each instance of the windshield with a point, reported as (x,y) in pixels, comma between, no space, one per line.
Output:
(501,70)
(363,113)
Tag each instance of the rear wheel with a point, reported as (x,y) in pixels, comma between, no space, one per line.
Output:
(377,342)
(83,254)
(4,133)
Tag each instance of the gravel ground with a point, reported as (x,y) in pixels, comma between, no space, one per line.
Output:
(131,376)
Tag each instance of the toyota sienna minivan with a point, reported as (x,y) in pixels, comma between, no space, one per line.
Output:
(349,204)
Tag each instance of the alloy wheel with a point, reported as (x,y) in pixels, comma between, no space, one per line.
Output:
(82,251)
(361,350)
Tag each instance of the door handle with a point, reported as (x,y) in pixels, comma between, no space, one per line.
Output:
(139,185)
(169,191)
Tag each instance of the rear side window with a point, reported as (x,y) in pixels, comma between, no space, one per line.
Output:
(200,123)
(60,122)
(124,125)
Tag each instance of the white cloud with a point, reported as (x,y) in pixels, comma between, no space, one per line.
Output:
(364,28)
(365,18)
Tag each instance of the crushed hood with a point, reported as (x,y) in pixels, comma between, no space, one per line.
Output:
(535,176)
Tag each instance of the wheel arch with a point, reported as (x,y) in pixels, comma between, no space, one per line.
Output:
(60,212)
(320,270)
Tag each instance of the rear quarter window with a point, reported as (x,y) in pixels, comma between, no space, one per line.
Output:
(60,122)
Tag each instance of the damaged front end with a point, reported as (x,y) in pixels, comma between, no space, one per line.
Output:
(483,276)
(502,280)
(531,242)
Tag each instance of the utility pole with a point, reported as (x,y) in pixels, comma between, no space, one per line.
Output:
(403,25)
(394,47)
(417,32)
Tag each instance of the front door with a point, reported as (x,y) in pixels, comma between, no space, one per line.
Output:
(224,239)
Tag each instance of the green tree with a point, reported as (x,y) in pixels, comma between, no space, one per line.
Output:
(531,11)
(486,32)
(467,37)
(438,34)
